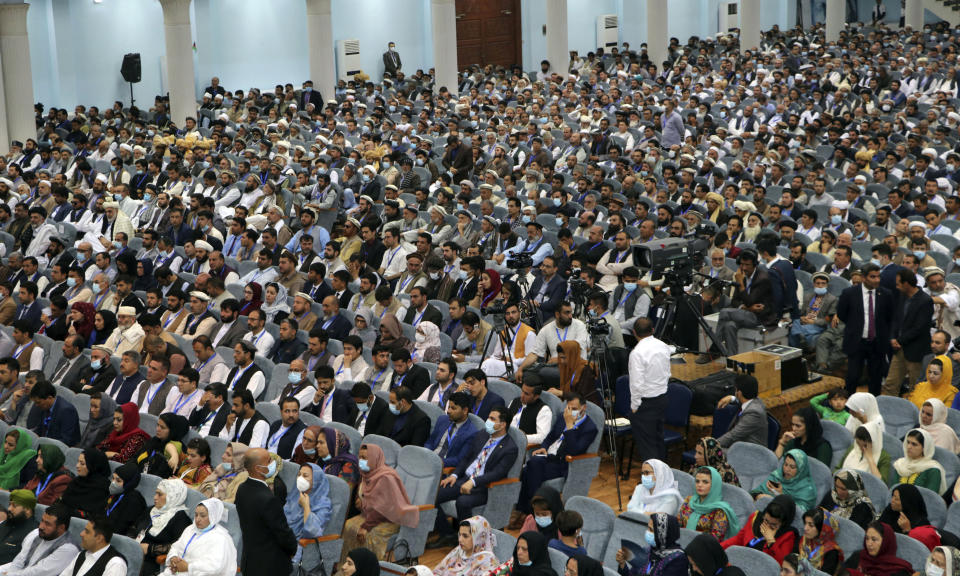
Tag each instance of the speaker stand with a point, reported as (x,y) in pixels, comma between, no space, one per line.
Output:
(131,94)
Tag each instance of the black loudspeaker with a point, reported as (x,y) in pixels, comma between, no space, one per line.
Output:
(131,67)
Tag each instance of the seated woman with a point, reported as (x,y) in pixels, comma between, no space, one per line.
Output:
(18,463)
(530,558)
(52,477)
(204,547)
(87,494)
(275,304)
(252,298)
(100,421)
(361,562)
(710,453)
(848,499)
(162,454)
(474,555)
(863,410)
(583,565)
(308,510)
(666,557)
(943,560)
(223,482)
(793,479)
(576,374)
(907,514)
(807,435)
(933,419)
(306,451)
(917,465)
(879,554)
(166,522)
(706,511)
(547,504)
(383,504)
(196,467)
(706,556)
(657,490)
(427,345)
(769,531)
(819,544)
(866,454)
(126,439)
(333,449)
(126,505)
(938,385)
(795,565)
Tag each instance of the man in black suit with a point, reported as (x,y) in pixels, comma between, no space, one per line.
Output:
(410,425)
(329,402)
(489,460)
(210,415)
(548,290)
(337,326)
(310,96)
(910,335)
(783,280)
(52,417)
(268,542)
(406,373)
(888,270)
(72,363)
(215,88)
(753,302)
(458,158)
(867,312)
(341,289)
(372,411)
(287,433)
(420,309)
(391,61)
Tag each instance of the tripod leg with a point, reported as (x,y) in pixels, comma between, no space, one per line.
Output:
(706,327)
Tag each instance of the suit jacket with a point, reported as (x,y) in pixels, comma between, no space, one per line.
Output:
(64,423)
(70,377)
(552,298)
(233,336)
(344,408)
(99,381)
(851,313)
(489,401)
(312,97)
(268,542)
(783,282)
(318,291)
(391,63)
(30,313)
(459,446)
(345,298)
(415,429)
(888,278)
(430,314)
(749,426)
(911,325)
(377,418)
(339,327)
(575,441)
(761,292)
(417,379)
(8,311)
(498,462)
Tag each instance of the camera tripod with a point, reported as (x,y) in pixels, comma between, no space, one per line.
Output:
(506,345)
(599,356)
(675,298)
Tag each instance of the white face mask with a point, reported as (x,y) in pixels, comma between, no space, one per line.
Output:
(421,337)
(302,484)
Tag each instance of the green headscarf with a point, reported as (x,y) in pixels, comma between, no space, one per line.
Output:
(53,458)
(801,487)
(713,501)
(11,464)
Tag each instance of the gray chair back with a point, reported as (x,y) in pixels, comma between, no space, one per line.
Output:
(352,434)
(420,470)
(740,500)
(391,450)
(432,410)
(269,410)
(685,482)
(899,415)
(752,463)
(912,550)
(288,474)
(217,447)
(598,521)
(506,390)
(936,507)
(822,476)
(950,463)
(148,423)
(72,455)
(503,549)
(752,561)
(558,560)
(131,550)
(148,487)
(849,535)
(839,438)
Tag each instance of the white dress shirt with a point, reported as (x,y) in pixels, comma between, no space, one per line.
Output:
(544,422)
(151,392)
(649,370)
(182,404)
(115,567)
(261,430)
(551,335)
(262,340)
(221,333)
(866,311)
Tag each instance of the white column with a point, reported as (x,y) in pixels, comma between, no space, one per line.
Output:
(17,79)
(749,25)
(657,37)
(557,44)
(444,17)
(836,18)
(320,34)
(913,14)
(179,43)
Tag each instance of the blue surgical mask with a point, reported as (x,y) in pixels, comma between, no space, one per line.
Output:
(117,244)
(271,469)
(365,178)
(294,377)
(419,162)
(117,197)
(147,196)
(363,407)
(227,466)
(543,521)
(592,313)
(629,286)
(81,257)
(95,364)
(651,540)
(394,409)
(559,221)
(489,425)
(576,413)
(875,262)
(96,288)
(463,274)
(527,563)
(557,202)
(820,291)
(71,282)
(836,219)
(139,172)
(526,219)
(919,254)
(364,466)
(648,481)
(351,160)
(310,452)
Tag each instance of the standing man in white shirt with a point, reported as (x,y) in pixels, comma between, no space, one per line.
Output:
(649,369)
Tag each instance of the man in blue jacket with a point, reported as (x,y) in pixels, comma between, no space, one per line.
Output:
(570,435)
(453,434)
(52,417)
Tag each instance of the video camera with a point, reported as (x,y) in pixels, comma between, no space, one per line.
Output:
(674,258)
(520,260)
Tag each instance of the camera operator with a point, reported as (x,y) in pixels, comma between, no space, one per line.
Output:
(597,308)
(521,337)
(534,245)
(615,261)
(752,302)
(548,289)
(540,365)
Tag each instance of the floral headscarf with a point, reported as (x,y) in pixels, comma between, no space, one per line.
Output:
(715,457)
(480,561)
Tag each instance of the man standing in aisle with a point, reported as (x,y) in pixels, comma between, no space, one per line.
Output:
(649,369)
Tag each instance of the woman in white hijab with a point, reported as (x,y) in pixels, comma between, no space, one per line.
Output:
(657,490)
(863,409)
(933,419)
(427,348)
(168,520)
(205,548)
(866,454)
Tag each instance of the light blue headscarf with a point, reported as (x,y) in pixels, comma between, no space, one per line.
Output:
(321,509)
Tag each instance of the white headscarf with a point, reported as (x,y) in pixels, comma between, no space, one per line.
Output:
(431,338)
(176,493)
(665,487)
(907,467)
(215,510)
(866,403)
(279,305)
(943,435)
(855,459)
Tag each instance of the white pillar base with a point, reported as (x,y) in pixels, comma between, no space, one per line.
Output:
(836,19)
(913,14)
(557,40)
(320,35)
(16,101)
(749,25)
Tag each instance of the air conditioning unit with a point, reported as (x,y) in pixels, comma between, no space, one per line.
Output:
(608,31)
(729,16)
(348,59)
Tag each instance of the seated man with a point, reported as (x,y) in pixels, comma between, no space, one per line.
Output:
(372,414)
(753,303)
(816,313)
(350,365)
(298,385)
(439,392)
(188,393)
(750,425)
(95,541)
(531,414)
(490,457)
(570,435)
(27,353)
(453,434)
(46,550)
(484,401)
(406,373)
(18,524)
(244,423)
(287,433)
(411,426)
(332,404)
(569,523)
(287,348)
(52,417)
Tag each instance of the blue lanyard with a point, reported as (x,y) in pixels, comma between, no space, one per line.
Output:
(150,398)
(110,509)
(275,439)
(43,486)
(190,541)
(171,318)
(407,281)
(620,256)
(624,299)
(327,323)
(418,318)
(239,375)
(181,401)
(390,260)
(205,362)
(379,374)
(20,350)
(565,330)
(262,332)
